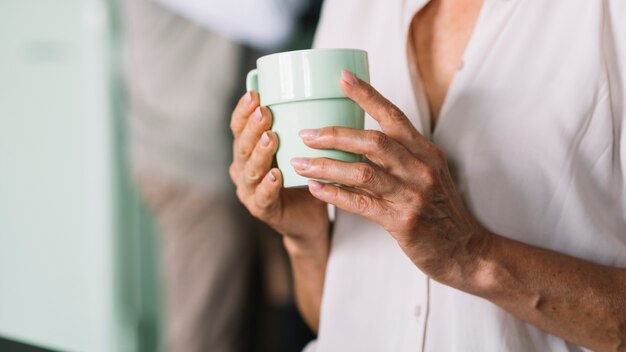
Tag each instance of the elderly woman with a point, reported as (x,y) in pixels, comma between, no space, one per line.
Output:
(492,216)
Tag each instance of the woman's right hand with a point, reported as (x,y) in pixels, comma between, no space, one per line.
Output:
(294,213)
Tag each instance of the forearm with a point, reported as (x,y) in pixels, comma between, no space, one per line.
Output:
(580,301)
(308,262)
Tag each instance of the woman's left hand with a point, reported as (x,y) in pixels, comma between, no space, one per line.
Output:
(407,187)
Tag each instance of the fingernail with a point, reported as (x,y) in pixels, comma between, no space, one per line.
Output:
(349,78)
(247,99)
(265,139)
(300,163)
(309,134)
(258,116)
(271,177)
(315,185)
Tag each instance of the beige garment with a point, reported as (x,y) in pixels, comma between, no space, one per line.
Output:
(181,80)
(207,260)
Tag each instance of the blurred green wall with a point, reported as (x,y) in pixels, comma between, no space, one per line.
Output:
(78,264)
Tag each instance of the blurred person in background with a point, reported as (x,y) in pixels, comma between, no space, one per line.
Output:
(184,63)
(492,216)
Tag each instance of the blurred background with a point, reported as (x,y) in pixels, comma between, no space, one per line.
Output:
(119,228)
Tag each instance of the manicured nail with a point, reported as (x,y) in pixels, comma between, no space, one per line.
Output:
(258,116)
(300,163)
(271,177)
(308,134)
(265,139)
(349,78)
(314,185)
(247,99)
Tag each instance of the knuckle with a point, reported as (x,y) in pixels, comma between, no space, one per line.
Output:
(365,174)
(362,203)
(428,176)
(242,153)
(258,209)
(232,171)
(243,150)
(409,219)
(321,164)
(378,139)
(331,131)
(252,173)
(395,114)
(414,164)
(233,124)
(262,206)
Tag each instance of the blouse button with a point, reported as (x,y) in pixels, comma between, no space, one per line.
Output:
(417,311)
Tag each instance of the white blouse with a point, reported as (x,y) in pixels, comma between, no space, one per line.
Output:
(534,129)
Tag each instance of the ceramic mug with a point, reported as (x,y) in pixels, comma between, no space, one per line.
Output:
(301,89)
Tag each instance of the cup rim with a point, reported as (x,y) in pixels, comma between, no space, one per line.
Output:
(310,50)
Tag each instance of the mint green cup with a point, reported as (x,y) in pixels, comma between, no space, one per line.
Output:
(301,89)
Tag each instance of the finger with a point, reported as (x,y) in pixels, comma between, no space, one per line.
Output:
(246,105)
(260,161)
(354,175)
(391,119)
(356,203)
(375,145)
(268,191)
(259,122)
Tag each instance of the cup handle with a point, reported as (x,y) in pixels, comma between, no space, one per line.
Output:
(252,80)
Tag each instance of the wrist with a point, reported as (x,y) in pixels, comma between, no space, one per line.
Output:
(306,247)
(483,275)
(311,247)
